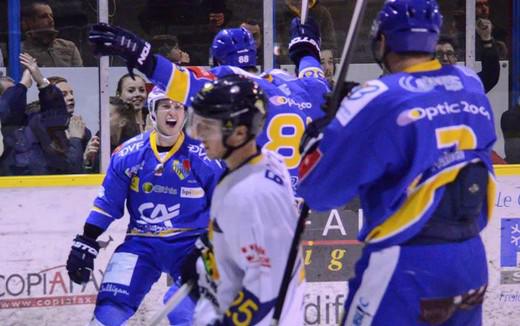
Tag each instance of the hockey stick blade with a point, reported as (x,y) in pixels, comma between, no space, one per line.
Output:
(346,56)
(173,302)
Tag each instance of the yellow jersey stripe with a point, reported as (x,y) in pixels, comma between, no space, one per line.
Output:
(412,210)
(179,85)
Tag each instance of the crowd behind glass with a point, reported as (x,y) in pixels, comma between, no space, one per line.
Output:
(49,136)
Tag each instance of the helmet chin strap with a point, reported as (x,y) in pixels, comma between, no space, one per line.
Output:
(230,149)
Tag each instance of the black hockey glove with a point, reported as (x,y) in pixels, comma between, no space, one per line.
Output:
(81,258)
(113,40)
(313,134)
(305,40)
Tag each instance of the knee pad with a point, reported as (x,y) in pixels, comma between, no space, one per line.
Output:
(107,314)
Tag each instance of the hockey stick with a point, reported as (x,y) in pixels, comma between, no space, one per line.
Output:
(304,11)
(346,57)
(173,302)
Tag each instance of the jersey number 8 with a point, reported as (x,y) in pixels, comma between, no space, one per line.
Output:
(294,127)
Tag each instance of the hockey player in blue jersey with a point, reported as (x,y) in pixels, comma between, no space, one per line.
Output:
(293,102)
(415,145)
(167,182)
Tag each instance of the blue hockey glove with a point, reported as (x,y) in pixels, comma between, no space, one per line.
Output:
(81,259)
(113,40)
(305,40)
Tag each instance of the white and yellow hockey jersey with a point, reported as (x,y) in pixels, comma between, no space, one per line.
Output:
(253,219)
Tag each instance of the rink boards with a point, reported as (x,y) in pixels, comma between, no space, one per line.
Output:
(38,224)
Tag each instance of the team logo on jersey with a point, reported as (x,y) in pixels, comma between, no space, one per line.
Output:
(192,192)
(149,187)
(182,169)
(282,100)
(426,84)
(312,72)
(134,183)
(430,113)
(153,214)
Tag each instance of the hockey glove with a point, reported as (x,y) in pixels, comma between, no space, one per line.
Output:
(81,259)
(113,40)
(313,134)
(305,40)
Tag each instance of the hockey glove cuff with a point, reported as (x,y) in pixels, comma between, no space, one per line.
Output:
(81,259)
(305,40)
(113,40)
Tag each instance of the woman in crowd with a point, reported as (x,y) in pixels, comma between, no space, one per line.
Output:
(122,128)
(133,91)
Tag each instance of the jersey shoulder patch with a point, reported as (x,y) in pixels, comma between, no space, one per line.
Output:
(359,99)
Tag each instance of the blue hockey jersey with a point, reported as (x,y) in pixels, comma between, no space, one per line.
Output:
(161,201)
(292,102)
(397,141)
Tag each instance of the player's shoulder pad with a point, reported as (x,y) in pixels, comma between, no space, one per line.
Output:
(469,73)
(279,74)
(359,99)
(198,154)
(201,72)
(132,146)
(224,70)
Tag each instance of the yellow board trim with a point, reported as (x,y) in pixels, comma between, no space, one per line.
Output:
(69,180)
(82,180)
(507,169)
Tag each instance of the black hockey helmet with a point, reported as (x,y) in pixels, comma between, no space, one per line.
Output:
(235,100)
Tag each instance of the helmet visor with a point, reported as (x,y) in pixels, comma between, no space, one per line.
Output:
(202,128)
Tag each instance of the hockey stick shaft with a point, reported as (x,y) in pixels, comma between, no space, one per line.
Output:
(289,266)
(173,302)
(304,11)
(346,56)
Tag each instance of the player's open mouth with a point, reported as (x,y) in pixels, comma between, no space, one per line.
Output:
(171,122)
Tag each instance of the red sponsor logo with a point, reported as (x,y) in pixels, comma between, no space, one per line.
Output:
(256,255)
(309,163)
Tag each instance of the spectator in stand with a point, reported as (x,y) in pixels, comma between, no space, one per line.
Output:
(41,40)
(122,128)
(195,23)
(446,54)
(168,47)
(133,91)
(328,66)
(36,142)
(254,28)
(76,120)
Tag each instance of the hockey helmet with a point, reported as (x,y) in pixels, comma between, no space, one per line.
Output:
(234,100)
(155,95)
(234,47)
(408,25)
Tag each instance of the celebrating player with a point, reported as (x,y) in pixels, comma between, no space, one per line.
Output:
(241,268)
(166,181)
(292,102)
(415,145)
